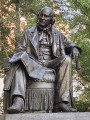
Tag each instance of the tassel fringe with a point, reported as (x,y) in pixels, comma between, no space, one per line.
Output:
(39,99)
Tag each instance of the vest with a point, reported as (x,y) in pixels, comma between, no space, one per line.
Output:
(45,48)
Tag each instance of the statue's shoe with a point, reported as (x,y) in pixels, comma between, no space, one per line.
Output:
(64,108)
(17,107)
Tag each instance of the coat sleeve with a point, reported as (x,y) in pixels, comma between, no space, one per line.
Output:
(68,47)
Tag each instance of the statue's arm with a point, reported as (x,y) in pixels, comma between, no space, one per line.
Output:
(70,48)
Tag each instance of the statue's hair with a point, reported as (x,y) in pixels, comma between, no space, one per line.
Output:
(52,14)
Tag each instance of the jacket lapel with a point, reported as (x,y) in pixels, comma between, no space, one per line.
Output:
(34,40)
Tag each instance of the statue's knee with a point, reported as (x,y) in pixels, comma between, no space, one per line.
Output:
(67,59)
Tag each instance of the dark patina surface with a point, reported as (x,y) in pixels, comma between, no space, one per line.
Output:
(43,54)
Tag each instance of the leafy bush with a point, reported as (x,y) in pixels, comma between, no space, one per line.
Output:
(82,106)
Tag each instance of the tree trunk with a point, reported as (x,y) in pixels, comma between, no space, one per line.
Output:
(17,23)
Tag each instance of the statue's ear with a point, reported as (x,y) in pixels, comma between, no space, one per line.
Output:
(53,17)
(53,20)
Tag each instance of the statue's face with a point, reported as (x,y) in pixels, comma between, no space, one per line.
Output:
(45,17)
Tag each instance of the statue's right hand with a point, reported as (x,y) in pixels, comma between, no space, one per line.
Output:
(7,68)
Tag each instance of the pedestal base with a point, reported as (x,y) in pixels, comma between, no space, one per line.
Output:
(47,116)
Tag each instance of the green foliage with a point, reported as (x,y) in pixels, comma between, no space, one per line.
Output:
(6,19)
(83,5)
(82,38)
(1,100)
(85,60)
(82,106)
(4,30)
(84,19)
(78,88)
(79,39)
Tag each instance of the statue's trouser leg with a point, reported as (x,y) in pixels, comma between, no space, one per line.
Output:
(63,85)
(18,86)
(63,82)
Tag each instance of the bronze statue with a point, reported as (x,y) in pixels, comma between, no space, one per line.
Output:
(41,48)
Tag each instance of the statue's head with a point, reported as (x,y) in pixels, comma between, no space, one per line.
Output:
(46,17)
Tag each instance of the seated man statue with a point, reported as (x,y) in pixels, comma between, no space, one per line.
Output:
(41,48)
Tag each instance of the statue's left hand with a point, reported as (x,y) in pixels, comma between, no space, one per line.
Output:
(75,53)
(8,67)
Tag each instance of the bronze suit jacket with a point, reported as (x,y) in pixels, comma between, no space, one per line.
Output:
(27,52)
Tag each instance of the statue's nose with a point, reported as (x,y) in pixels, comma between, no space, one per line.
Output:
(43,17)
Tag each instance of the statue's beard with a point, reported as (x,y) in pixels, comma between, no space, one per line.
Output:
(47,28)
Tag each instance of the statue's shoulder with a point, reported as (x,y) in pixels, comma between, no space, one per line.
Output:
(31,30)
(54,30)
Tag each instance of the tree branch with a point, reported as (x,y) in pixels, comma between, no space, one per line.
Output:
(79,4)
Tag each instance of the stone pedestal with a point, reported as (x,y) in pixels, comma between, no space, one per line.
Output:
(47,116)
